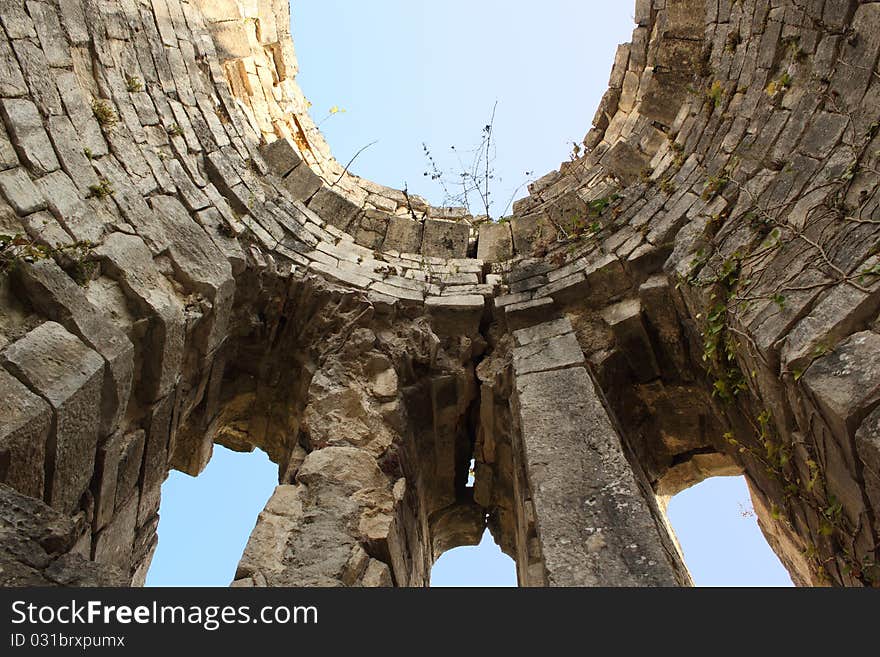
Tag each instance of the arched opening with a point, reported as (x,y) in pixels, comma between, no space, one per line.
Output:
(483,565)
(717,530)
(205,521)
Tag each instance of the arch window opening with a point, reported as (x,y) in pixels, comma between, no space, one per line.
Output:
(717,529)
(205,521)
(483,565)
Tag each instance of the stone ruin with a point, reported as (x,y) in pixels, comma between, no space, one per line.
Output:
(695,294)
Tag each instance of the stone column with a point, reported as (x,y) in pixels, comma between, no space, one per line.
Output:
(596,521)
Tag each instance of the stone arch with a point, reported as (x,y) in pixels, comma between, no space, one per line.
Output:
(697,291)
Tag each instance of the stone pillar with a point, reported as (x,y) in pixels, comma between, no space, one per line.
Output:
(314,532)
(596,523)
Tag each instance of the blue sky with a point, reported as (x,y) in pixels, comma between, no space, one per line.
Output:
(409,72)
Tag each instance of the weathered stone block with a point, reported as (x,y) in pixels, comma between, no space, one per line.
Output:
(26,131)
(625,320)
(377,574)
(526,313)
(549,354)
(371,229)
(155,461)
(106,474)
(72,211)
(625,161)
(113,543)
(606,279)
(130,461)
(27,420)
(838,314)
(846,383)
(529,232)
(456,315)
(282,156)
(231,39)
(445,239)
(348,467)
(543,331)
(57,297)
(57,366)
(129,261)
(302,183)
(20,191)
(335,207)
(595,527)
(868,450)
(495,242)
(199,264)
(657,304)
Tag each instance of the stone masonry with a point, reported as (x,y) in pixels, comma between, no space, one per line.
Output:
(184,263)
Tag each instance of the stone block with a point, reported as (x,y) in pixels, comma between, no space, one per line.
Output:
(24,431)
(456,315)
(27,134)
(495,243)
(445,239)
(49,32)
(544,331)
(657,304)
(155,460)
(231,39)
(349,467)
(57,297)
(302,183)
(282,156)
(113,543)
(868,450)
(335,207)
(625,320)
(548,354)
(106,475)
(377,574)
(72,211)
(596,528)
(846,383)
(526,313)
(529,232)
(20,192)
(371,229)
(129,261)
(625,161)
(66,373)
(606,279)
(198,263)
(837,315)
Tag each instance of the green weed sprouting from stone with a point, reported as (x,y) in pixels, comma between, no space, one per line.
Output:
(19,248)
(715,93)
(102,189)
(590,223)
(715,185)
(779,86)
(104,113)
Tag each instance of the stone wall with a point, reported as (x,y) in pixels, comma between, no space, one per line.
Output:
(696,294)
